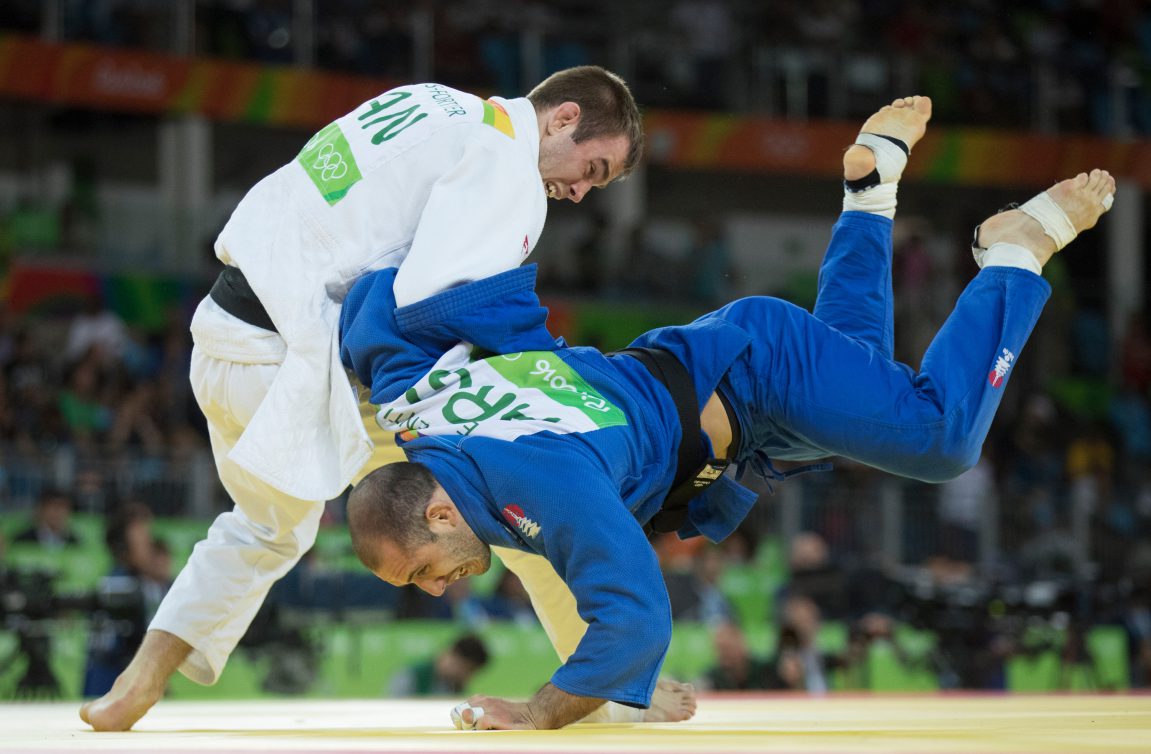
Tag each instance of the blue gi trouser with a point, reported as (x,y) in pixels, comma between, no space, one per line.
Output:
(819,384)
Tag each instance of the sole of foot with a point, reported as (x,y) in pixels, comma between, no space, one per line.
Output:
(905,119)
(1081,198)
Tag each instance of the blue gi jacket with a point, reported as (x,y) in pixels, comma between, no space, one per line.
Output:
(578,497)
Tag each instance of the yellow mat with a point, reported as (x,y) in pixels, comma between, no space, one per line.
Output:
(966,724)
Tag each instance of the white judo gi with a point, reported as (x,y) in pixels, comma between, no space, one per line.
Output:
(435,181)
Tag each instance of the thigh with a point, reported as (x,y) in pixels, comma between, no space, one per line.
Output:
(229,393)
(805,390)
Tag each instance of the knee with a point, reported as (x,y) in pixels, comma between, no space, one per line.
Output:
(952,459)
(284,531)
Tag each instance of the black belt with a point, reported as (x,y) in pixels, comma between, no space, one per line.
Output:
(695,468)
(232,292)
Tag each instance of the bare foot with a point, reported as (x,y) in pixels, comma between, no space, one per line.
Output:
(122,706)
(905,119)
(1081,198)
(672,702)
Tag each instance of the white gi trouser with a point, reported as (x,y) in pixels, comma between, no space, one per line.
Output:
(248,549)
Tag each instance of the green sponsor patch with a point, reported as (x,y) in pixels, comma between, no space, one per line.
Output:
(328,161)
(548,373)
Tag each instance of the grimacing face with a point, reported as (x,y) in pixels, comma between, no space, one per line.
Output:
(456,553)
(570,170)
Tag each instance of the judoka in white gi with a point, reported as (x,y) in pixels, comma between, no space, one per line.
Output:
(440,183)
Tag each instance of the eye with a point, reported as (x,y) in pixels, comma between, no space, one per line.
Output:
(591,170)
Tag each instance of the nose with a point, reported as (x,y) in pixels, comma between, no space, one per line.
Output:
(434,587)
(577,191)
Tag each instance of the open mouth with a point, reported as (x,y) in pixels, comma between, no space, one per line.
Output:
(553,191)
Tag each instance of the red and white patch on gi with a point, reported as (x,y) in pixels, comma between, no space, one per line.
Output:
(1002,366)
(517,518)
(527,248)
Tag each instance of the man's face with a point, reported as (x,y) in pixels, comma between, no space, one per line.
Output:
(455,554)
(55,514)
(570,170)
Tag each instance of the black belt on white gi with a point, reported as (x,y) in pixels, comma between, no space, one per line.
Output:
(696,469)
(232,292)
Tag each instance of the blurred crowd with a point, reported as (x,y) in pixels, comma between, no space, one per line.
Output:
(1062,495)
(103,409)
(1067,65)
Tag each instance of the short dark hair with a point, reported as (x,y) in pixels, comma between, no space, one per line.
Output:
(471,648)
(389,504)
(53,495)
(606,106)
(116,526)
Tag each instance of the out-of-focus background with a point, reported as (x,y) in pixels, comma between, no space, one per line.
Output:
(130,128)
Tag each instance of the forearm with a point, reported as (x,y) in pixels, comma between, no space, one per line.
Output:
(552,708)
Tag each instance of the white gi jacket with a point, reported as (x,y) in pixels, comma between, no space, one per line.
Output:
(435,181)
(423,175)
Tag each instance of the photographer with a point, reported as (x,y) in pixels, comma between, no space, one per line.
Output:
(52,528)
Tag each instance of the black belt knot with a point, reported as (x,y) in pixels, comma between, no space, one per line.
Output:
(695,470)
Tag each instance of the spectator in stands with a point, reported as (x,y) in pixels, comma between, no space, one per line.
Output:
(713,273)
(735,669)
(447,674)
(97,332)
(53,528)
(510,602)
(814,575)
(962,501)
(1135,353)
(694,591)
(799,663)
(86,415)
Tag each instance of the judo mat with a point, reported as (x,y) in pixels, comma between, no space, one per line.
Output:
(955,724)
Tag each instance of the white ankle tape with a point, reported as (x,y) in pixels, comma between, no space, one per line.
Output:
(879,200)
(1008,255)
(890,160)
(613,712)
(1051,216)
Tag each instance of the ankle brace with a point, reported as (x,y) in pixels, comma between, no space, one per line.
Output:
(876,191)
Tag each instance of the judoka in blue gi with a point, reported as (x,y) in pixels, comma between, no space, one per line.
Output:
(516,440)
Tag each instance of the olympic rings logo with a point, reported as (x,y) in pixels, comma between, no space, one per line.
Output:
(330,163)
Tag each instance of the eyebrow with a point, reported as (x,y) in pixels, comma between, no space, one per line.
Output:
(606,170)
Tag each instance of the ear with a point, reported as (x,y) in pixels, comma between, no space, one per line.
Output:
(442,514)
(565,116)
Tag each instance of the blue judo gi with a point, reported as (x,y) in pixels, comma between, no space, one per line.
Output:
(568,452)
